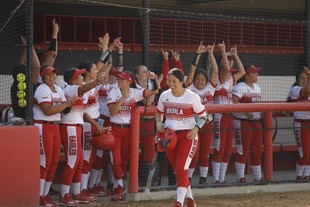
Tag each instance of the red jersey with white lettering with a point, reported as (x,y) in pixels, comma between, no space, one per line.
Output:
(75,116)
(123,116)
(247,94)
(44,94)
(206,94)
(222,93)
(295,96)
(180,111)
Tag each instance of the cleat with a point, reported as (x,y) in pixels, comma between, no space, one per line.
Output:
(191,202)
(44,201)
(99,191)
(241,180)
(202,181)
(51,200)
(177,204)
(67,201)
(89,195)
(81,198)
(119,193)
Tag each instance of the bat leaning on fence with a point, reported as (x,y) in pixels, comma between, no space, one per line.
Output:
(150,175)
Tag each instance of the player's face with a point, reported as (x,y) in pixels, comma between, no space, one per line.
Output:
(253,77)
(123,83)
(50,78)
(92,74)
(302,79)
(200,81)
(174,83)
(143,73)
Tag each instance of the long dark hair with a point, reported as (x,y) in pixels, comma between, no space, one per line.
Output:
(178,74)
(87,64)
(288,99)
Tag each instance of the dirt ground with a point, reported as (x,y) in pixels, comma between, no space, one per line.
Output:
(287,199)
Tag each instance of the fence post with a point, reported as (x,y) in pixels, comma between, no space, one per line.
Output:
(134,150)
(268,152)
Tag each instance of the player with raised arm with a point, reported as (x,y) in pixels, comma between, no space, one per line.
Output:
(223,123)
(199,82)
(179,139)
(71,132)
(120,102)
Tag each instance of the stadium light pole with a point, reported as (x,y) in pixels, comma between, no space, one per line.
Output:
(29,35)
(146,31)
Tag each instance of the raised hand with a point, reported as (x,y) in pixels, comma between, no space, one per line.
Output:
(165,54)
(306,71)
(55,29)
(175,55)
(103,42)
(210,48)
(101,78)
(201,49)
(221,46)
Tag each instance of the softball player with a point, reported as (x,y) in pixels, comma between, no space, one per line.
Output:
(71,132)
(200,84)
(49,101)
(223,123)
(91,127)
(102,157)
(300,92)
(179,106)
(120,102)
(247,126)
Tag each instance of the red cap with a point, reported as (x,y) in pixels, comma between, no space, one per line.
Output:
(114,72)
(252,69)
(72,73)
(47,70)
(125,76)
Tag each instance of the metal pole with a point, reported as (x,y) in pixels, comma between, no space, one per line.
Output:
(146,31)
(29,35)
(307,34)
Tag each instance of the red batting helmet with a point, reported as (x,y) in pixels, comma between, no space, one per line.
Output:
(167,140)
(103,141)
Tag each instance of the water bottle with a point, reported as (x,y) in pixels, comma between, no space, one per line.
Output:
(10,116)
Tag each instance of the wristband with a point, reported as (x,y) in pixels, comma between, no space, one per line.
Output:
(196,59)
(105,56)
(52,46)
(155,86)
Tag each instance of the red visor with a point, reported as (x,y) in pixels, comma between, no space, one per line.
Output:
(252,69)
(48,70)
(125,76)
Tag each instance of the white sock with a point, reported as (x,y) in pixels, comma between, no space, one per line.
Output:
(299,169)
(92,178)
(181,192)
(216,170)
(47,186)
(42,182)
(223,169)
(257,172)
(117,183)
(203,171)
(191,172)
(84,181)
(306,171)
(76,188)
(64,190)
(99,176)
(240,167)
(189,193)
